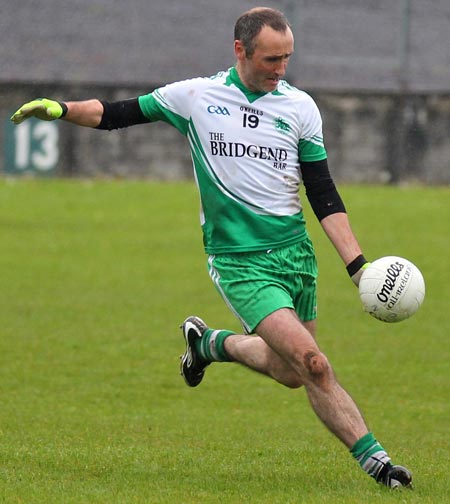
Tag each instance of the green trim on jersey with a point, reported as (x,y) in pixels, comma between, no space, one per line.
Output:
(234,78)
(311,150)
(252,96)
(155,112)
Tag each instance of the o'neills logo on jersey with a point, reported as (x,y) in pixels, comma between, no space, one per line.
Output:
(236,149)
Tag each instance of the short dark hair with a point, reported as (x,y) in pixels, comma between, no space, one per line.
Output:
(250,23)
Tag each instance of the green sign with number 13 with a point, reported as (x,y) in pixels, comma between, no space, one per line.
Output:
(32,147)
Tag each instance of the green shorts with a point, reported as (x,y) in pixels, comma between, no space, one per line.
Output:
(255,284)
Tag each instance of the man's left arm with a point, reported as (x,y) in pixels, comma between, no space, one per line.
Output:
(337,228)
(330,210)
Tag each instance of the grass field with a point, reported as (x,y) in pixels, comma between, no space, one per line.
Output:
(95,279)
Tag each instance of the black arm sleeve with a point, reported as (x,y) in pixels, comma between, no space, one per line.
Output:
(320,189)
(121,114)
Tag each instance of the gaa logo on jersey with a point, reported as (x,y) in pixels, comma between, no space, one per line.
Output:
(215,109)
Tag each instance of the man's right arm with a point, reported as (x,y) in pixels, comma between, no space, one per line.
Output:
(84,113)
(90,113)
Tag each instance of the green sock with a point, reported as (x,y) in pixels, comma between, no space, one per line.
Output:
(370,454)
(210,345)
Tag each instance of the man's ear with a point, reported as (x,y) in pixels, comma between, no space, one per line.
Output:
(239,50)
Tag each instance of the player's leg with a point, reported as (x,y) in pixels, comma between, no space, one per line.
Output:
(284,333)
(286,351)
(253,352)
(287,337)
(205,345)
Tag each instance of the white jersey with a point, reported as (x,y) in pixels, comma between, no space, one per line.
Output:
(246,149)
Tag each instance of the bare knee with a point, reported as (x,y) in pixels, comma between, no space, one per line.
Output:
(318,368)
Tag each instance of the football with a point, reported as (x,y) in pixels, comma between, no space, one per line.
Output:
(391,289)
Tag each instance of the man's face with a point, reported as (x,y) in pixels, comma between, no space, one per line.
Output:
(267,65)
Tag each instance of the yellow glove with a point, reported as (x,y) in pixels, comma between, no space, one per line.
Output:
(42,108)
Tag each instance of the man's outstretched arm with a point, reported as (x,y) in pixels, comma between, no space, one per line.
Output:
(83,113)
(91,113)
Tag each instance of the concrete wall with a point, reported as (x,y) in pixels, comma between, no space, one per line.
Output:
(383,138)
